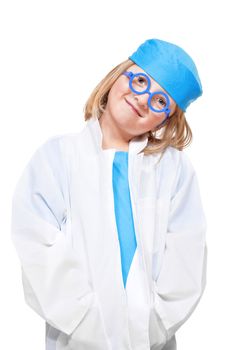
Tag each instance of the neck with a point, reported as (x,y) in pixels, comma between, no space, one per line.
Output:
(112,138)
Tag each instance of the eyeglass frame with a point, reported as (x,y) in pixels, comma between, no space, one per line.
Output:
(132,75)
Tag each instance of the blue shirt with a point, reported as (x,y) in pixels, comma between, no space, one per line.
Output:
(123,211)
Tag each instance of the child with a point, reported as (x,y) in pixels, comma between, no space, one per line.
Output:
(108,222)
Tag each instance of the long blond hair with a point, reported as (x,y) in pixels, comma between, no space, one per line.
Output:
(175,132)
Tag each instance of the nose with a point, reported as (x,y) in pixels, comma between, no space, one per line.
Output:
(142,99)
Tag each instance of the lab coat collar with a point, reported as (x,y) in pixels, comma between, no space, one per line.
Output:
(95,134)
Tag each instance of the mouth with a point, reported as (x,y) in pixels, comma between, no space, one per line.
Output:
(133,108)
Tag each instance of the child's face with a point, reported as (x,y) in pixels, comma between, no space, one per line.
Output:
(119,108)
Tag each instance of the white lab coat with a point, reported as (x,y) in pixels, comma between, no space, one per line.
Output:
(64,231)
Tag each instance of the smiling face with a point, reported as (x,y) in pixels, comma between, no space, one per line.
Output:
(129,112)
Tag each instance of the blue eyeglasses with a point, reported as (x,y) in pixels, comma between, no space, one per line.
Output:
(140,83)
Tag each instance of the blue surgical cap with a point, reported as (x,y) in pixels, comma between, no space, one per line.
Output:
(172,68)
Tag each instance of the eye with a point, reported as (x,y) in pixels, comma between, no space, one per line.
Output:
(160,100)
(141,80)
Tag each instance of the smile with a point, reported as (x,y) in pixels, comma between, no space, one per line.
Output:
(133,108)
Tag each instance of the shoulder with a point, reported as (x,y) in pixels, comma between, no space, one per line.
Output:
(184,172)
(56,142)
(50,157)
(177,159)
(170,161)
(55,148)
(175,168)
(47,165)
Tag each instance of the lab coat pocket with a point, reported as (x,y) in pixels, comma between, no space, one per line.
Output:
(157,332)
(90,333)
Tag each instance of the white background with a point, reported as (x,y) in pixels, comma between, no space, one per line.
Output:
(53,53)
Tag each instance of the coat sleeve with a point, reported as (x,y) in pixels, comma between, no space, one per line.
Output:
(53,280)
(182,278)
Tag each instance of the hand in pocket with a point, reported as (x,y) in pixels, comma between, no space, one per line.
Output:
(90,333)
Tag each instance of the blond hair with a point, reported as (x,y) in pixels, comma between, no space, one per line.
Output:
(175,132)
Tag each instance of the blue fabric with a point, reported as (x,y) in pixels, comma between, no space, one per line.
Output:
(123,211)
(172,68)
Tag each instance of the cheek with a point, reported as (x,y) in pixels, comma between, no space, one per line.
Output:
(115,96)
(112,102)
(154,121)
